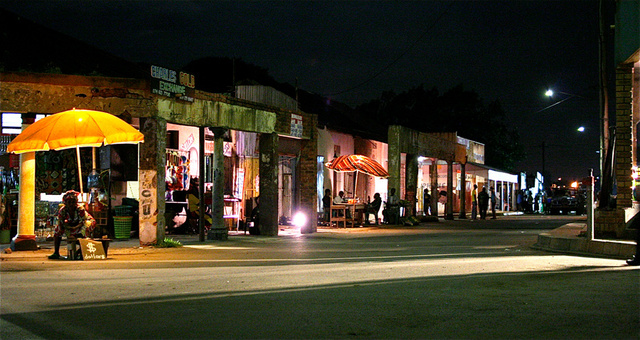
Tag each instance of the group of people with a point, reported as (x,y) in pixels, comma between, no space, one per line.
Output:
(371,207)
(480,201)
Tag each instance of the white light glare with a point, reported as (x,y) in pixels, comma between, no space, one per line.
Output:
(581,129)
(299,219)
(549,93)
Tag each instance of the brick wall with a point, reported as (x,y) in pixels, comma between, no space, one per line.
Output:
(624,160)
(612,223)
(609,223)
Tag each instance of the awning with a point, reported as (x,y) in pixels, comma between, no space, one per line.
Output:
(490,173)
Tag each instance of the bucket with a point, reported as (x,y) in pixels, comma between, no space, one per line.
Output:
(5,236)
(122,226)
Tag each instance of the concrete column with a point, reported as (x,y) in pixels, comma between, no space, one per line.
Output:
(268,184)
(26,238)
(307,181)
(218,230)
(201,161)
(435,194)
(393,156)
(152,180)
(411,183)
(463,191)
(449,212)
(589,183)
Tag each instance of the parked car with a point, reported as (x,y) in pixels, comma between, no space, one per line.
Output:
(564,202)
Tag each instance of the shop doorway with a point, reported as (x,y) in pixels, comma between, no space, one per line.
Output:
(286,188)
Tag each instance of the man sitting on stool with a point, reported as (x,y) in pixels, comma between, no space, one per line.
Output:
(73,220)
(373,208)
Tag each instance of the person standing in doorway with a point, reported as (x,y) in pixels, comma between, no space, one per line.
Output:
(474,202)
(426,201)
(326,205)
(493,203)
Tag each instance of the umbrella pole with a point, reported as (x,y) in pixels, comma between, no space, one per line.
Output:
(79,170)
(355,186)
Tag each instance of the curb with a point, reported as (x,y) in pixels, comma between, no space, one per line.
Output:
(567,239)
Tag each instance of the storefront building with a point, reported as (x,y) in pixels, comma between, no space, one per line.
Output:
(234,149)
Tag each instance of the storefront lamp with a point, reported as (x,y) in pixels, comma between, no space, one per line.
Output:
(299,220)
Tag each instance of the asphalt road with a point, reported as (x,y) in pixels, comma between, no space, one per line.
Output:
(448,280)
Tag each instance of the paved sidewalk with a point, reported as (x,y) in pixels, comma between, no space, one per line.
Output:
(571,238)
(566,239)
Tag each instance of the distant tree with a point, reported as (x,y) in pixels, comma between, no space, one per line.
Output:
(457,110)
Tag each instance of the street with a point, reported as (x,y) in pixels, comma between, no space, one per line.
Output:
(456,279)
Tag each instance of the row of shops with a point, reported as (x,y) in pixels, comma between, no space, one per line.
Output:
(228,151)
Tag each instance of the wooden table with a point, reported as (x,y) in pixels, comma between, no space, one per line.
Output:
(339,214)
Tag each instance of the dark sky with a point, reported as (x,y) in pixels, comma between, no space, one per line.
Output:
(351,51)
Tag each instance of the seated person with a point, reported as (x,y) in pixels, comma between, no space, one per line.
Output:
(340,198)
(391,211)
(373,208)
(255,218)
(73,220)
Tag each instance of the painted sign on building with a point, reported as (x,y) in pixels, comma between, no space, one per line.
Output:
(169,83)
(148,206)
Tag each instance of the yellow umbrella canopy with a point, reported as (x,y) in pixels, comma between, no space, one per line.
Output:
(74,128)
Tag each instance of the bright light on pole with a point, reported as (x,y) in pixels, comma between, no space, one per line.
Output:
(549,93)
(581,129)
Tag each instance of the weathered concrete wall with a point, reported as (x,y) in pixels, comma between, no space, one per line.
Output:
(152,180)
(43,93)
(269,184)
(307,180)
(414,143)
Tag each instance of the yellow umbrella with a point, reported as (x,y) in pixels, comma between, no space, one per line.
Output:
(74,129)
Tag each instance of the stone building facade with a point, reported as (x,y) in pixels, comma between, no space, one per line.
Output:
(132,100)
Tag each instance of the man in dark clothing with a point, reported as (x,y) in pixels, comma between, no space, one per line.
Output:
(373,208)
(483,202)
(426,203)
(326,205)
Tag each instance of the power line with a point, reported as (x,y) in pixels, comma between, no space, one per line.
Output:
(393,62)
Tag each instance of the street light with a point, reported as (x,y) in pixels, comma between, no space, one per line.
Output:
(549,93)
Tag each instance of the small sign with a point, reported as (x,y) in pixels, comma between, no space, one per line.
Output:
(296,125)
(92,250)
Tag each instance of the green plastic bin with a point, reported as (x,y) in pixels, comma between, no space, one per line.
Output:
(122,226)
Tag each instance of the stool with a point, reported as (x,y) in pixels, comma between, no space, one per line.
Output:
(73,249)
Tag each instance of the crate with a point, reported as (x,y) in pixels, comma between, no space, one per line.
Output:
(123,210)
(122,226)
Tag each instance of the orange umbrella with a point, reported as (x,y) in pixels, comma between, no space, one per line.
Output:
(360,163)
(357,163)
(74,129)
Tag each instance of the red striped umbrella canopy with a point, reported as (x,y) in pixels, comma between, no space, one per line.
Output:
(364,164)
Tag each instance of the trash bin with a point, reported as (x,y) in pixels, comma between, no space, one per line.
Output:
(122,226)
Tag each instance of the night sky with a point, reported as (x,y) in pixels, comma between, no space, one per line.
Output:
(351,51)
